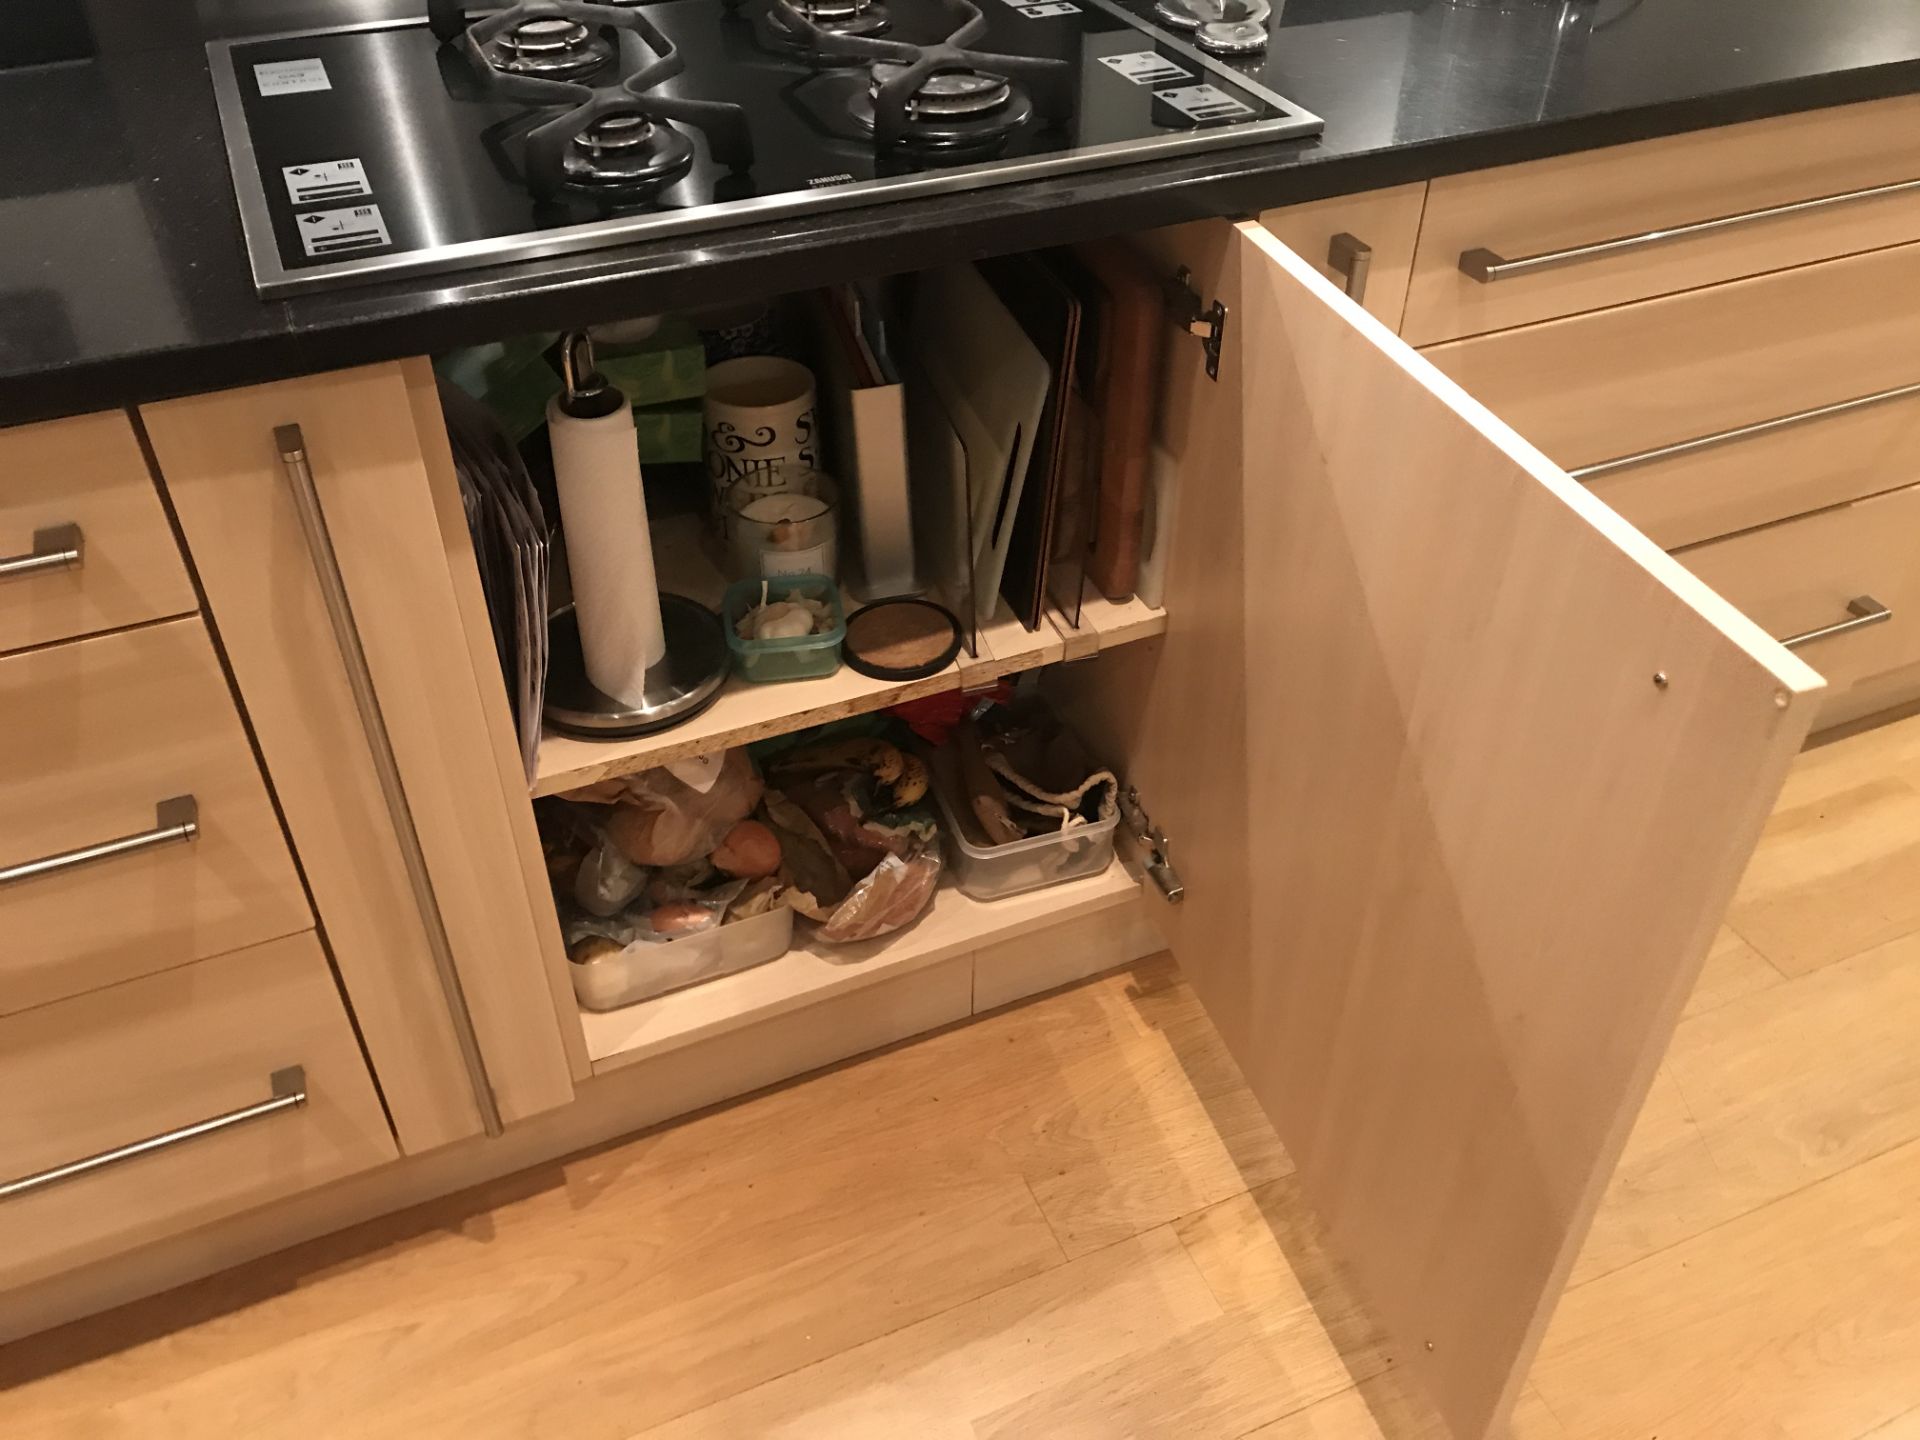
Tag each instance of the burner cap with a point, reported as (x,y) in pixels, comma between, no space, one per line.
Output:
(615,133)
(550,45)
(828,11)
(947,93)
(1231,37)
(555,32)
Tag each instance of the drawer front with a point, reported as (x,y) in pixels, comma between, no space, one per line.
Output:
(1363,243)
(99,732)
(1682,412)
(1803,576)
(90,1075)
(1546,208)
(84,544)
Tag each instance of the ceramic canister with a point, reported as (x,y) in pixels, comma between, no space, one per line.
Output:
(759,418)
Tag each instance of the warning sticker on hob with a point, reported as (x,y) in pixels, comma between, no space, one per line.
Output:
(290,77)
(1203,102)
(327,232)
(325,180)
(1048,10)
(1144,67)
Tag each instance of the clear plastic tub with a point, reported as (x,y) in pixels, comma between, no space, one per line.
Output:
(804,657)
(993,872)
(640,972)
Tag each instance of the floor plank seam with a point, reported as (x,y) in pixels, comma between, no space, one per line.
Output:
(1738,1216)
(1886,1425)
(1771,963)
(1053,1231)
(1329,1397)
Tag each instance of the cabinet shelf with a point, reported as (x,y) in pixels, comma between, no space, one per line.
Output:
(745,712)
(813,972)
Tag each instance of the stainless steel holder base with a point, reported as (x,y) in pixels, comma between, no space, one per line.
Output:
(686,682)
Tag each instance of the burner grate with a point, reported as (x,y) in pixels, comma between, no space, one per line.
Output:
(613,140)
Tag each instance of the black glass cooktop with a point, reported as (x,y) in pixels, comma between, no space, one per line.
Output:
(382,150)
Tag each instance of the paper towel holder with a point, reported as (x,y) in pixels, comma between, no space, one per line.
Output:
(689,676)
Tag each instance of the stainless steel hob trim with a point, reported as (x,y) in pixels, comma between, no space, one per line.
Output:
(272,279)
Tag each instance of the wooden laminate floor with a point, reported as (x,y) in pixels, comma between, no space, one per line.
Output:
(1069,1220)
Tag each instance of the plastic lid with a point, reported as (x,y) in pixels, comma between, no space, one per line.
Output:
(903,639)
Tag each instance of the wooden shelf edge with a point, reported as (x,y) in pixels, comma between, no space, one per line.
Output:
(808,974)
(746,712)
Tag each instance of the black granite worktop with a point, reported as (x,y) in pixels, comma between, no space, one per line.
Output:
(122,276)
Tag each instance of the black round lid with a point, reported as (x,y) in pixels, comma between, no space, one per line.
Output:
(901,639)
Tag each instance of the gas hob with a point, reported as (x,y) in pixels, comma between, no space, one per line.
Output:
(429,147)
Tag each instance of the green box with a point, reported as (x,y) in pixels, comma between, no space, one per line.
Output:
(669,365)
(667,433)
(510,377)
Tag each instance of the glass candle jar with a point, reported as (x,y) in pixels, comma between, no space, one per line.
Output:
(792,530)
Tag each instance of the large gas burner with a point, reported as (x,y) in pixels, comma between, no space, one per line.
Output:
(943,97)
(614,142)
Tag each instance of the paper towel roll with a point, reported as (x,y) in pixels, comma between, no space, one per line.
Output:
(596,467)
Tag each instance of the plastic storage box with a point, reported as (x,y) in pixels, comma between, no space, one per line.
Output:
(805,657)
(993,872)
(641,972)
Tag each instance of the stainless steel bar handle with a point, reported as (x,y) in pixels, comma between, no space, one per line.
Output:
(288,1089)
(175,820)
(346,635)
(57,547)
(1743,432)
(1487,266)
(1862,611)
(1352,257)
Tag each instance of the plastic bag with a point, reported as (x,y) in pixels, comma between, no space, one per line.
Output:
(656,818)
(607,881)
(890,898)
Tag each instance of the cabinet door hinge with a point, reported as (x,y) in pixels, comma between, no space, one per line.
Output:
(1208,323)
(1154,845)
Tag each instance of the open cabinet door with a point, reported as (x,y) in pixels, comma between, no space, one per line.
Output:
(1459,772)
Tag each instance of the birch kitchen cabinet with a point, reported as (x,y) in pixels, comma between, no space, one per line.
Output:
(1448,769)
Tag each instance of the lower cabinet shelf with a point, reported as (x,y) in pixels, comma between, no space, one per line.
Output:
(745,712)
(812,972)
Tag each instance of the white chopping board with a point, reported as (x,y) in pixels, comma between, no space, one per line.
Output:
(993,385)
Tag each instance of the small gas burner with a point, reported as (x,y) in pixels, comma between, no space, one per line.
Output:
(551,46)
(1231,28)
(835,17)
(953,115)
(946,93)
(627,151)
(944,96)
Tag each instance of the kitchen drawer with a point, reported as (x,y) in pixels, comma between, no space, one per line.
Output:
(1802,576)
(136,1061)
(1547,207)
(1363,243)
(84,475)
(99,732)
(1601,393)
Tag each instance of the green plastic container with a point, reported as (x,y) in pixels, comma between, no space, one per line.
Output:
(805,657)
